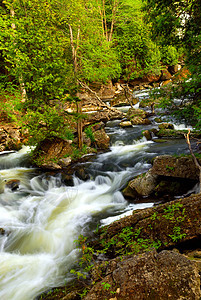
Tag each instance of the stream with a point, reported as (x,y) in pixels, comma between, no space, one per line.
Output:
(43,217)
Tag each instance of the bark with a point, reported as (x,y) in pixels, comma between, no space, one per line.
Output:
(128,94)
(21,81)
(75,66)
(193,155)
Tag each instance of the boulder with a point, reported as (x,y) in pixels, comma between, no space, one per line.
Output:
(138,117)
(165,75)
(140,121)
(10,138)
(170,166)
(125,124)
(102,140)
(147,134)
(13,184)
(174,69)
(164,275)
(50,153)
(173,224)
(166,126)
(142,185)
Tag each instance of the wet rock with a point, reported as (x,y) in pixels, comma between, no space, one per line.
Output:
(82,174)
(174,69)
(142,185)
(138,117)
(50,151)
(102,140)
(125,124)
(181,167)
(164,275)
(165,75)
(173,224)
(166,126)
(147,134)
(13,184)
(140,121)
(158,120)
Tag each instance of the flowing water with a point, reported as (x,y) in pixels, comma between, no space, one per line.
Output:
(43,217)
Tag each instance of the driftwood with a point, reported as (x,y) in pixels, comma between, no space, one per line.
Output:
(86,87)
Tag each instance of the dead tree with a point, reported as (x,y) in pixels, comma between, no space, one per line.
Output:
(193,156)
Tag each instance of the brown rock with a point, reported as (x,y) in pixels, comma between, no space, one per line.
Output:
(147,134)
(125,124)
(50,151)
(182,167)
(166,126)
(102,140)
(167,275)
(165,75)
(143,185)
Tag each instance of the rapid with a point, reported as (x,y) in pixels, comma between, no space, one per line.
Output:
(43,217)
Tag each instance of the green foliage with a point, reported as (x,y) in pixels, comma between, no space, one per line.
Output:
(89,132)
(176,24)
(169,55)
(177,235)
(45,122)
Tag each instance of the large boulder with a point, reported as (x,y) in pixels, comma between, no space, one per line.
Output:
(53,153)
(10,138)
(142,185)
(169,176)
(165,75)
(171,166)
(164,275)
(173,224)
(102,140)
(138,117)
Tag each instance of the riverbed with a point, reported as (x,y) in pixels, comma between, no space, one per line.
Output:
(43,217)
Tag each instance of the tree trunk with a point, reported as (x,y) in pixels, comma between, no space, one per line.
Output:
(79,103)
(21,82)
(194,157)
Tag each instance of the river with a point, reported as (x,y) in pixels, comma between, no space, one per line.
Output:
(44,217)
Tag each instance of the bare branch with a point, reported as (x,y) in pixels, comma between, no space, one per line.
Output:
(193,155)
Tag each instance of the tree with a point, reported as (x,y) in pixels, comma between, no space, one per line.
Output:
(183,23)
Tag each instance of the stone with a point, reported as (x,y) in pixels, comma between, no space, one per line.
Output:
(102,140)
(170,166)
(142,185)
(125,124)
(50,151)
(65,162)
(150,276)
(147,134)
(165,75)
(140,121)
(166,126)
(173,224)
(13,184)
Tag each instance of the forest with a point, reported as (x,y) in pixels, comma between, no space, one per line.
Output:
(48,49)
(100,149)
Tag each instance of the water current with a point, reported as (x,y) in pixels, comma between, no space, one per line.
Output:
(43,217)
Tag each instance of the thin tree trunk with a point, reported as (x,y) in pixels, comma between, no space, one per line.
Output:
(21,81)
(75,65)
(193,156)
